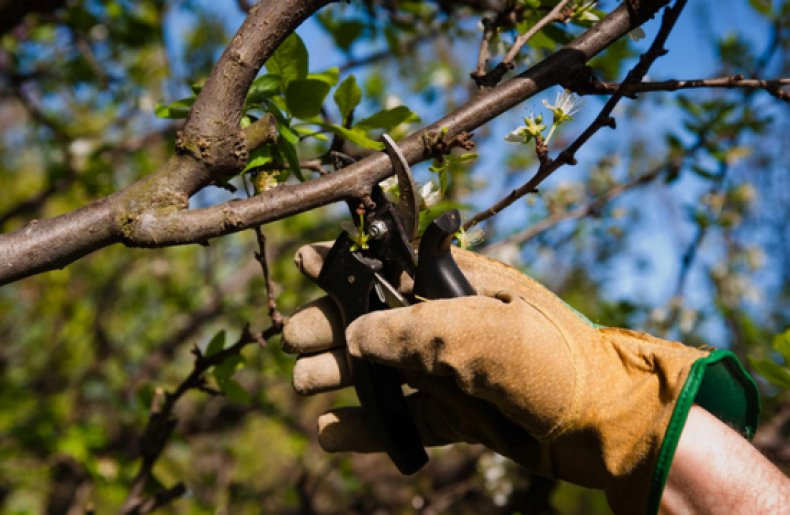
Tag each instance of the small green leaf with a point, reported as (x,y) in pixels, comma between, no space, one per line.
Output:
(259,157)
(356,136)
(762,6)
(330,75)
(216,344)
(288,150)
(781,344)
(346,32)
(177,109)
(235,392)
(347,96)
(226,369)
(262,87)
(388,119)
(772,372)
(304,97)
(290,60)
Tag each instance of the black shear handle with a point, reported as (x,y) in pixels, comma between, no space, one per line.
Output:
(437,275)
(349,279)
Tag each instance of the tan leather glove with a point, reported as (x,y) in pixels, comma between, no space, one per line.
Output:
(601,407)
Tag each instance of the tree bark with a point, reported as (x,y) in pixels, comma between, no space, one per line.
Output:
(153,212)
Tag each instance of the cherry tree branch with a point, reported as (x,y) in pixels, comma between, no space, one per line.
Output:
(154,211)
(558,14)
(162,423)
(604,119)
(589,208)
(772,86)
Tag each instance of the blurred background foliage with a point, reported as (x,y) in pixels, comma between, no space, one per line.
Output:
(675,223)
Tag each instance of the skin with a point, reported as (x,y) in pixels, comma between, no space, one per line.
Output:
(716,471)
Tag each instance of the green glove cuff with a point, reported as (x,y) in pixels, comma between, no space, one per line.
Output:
(720,384)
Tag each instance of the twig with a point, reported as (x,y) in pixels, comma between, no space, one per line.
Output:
(558,14)
(773,86)
(274,314)
(593,206)
(161,423)
(604,119)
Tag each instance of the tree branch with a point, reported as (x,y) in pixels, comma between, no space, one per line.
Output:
(481,78)
(593,206)
(161,423)
(773,86)
(604,119)
(153,212)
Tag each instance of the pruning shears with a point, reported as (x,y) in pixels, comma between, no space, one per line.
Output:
(362,278)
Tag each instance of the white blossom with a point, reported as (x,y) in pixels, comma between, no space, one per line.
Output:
(430,194)
(564,107)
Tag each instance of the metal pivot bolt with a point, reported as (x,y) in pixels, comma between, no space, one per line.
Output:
(377,230)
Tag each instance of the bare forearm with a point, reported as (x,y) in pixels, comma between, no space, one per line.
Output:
(716,471)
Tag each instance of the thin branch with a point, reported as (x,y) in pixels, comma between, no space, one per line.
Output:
(773,86)
(162,423)
(559,13)
(260,256)
(604,119)
(592,207)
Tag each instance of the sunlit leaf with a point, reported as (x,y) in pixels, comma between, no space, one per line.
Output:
(290,60)
(304,97)
(347,96)
(175,110)
(216,344)
(388,119)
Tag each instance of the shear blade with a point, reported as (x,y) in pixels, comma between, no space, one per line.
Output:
(388,294)
(409,203)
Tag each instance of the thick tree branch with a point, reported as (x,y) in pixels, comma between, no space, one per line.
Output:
(152,213)
(212,132)
(198,225)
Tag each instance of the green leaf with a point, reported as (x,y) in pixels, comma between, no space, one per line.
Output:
(264,86)
(177,109)
(287,148)
(347,96)
(772,372)
(388,119)
(290,60)
(304,97)
(259,157)
(781,344)
(762,6)
(235,392)
(225,370)
(330,75)
(346,32)
(216,344)
(356,136)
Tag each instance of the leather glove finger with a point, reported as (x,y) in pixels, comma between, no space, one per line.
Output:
(310,258)
(442,415)
(316,326)
(322,372)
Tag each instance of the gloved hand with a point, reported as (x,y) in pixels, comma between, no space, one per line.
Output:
(517,370)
